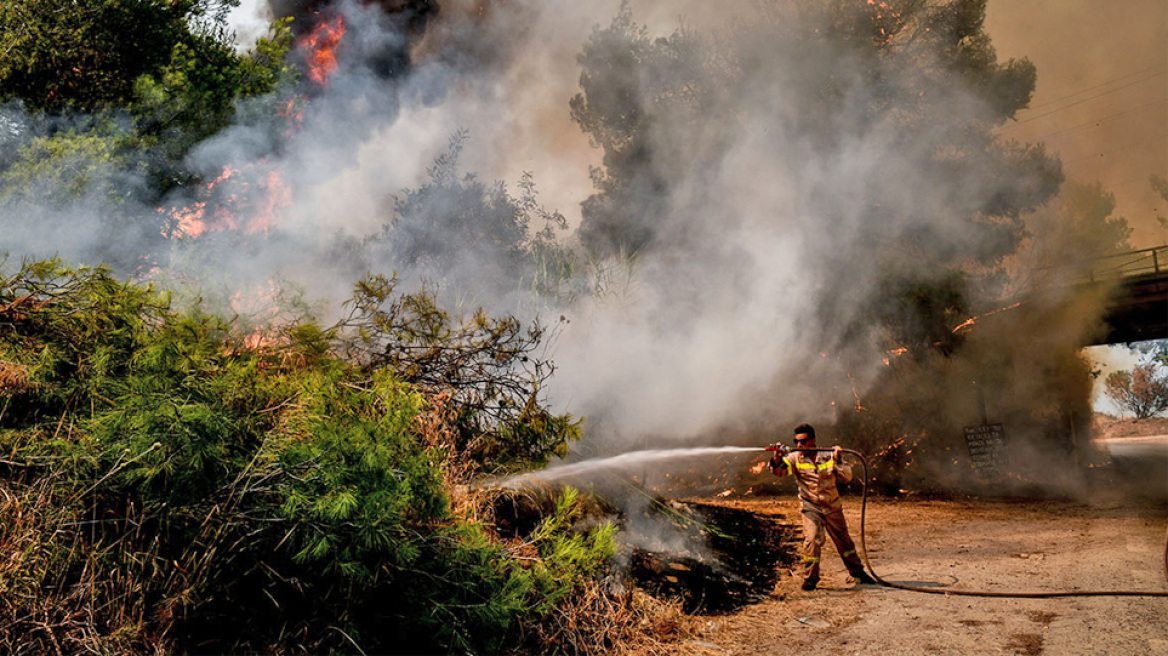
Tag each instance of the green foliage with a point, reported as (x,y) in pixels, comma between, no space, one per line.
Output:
(199,489)
(474,616)
(352,481)
(119,91)
(64,168)
(488,365)
(195,94)
(79,55)
(566,555)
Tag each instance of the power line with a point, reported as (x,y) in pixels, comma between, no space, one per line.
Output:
(1079,102)
(1098,121)
(1155,70)
(1142,142)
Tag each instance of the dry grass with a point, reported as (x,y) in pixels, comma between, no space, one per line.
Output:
(56,595)
(1108,427)
(436,428)
(13,377)
(606,617)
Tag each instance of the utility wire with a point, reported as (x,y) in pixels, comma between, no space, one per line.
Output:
(1104,119)
(1153,70)
(1079,102)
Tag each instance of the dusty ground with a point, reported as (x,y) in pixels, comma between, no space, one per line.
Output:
(1108,427)
(1113,542)
(967,545)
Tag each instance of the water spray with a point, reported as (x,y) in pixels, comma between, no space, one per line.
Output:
(622,460)
(653,455)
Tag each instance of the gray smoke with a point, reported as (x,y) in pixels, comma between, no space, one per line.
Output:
(774,185)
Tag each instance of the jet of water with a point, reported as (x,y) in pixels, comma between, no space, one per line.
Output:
(557,472)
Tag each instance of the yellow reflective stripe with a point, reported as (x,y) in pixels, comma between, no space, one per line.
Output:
(811,559)
(825,465)
(850,552)
(805,465)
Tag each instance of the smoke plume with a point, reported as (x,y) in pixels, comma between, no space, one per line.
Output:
(760,202)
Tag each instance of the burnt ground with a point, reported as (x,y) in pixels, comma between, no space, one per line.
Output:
(742,554)
(1113,539)
(740,587)
(965,544)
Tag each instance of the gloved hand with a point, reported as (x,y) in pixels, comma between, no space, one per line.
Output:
(781,451)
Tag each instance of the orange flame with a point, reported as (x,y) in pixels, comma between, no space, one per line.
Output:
(893,353)
(191,221)
(855,395)
(293,113)
(759,468)
(321,46)
(970,322)
(277,195)
(238,206)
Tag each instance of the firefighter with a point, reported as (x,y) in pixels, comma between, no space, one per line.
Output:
(823,515)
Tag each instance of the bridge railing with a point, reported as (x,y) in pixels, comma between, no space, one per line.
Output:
(1132,263)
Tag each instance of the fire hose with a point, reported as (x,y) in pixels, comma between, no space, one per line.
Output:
(966,593)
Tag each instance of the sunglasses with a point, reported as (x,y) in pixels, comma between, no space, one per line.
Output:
(804,441)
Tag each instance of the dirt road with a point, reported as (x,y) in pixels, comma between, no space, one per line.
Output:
(1014,545)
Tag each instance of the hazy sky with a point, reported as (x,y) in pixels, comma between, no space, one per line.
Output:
(1102,97)
(1101,104)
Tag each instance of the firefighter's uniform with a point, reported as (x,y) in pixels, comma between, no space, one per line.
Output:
(816,475)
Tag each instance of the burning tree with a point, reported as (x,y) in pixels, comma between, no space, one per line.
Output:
(117,93)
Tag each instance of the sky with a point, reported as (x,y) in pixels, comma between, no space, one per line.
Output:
(1101,101)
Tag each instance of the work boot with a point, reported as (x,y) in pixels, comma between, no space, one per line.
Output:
(862,578)
(810,584)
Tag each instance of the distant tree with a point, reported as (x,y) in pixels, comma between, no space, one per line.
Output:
(1160,186)
(816,78)
(473,237)
(1143,390)
(1065,238)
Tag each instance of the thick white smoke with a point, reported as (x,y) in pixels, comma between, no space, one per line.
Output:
(749,306)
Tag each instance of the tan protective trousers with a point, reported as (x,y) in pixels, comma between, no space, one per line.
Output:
(816,527)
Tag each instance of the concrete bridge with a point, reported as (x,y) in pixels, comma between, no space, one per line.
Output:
(1138,308)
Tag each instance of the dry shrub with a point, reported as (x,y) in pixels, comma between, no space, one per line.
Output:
(608,617)
(436,426)
(13,377)
(56,595)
